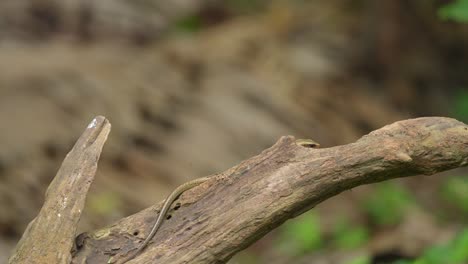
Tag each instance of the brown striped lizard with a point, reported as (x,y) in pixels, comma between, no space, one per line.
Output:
(308,143)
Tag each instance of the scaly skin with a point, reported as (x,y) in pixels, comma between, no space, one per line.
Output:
(167,205)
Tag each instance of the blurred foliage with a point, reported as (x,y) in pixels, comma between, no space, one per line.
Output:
(403,262)
(347,236)
(455,252)
(104,203)
(360,260)
(245,5)
(457,10)
(455,191)
(461,106)
(387,203)
(301,235)
(246,257)
(188,24)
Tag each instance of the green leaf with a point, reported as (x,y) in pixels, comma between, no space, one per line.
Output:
(437,255)
(455,252)
(455,191)
(189,24)
(388,203)
(301,235)
(457,11)
(360,260)
(460,248)
(348,237)
(461,106)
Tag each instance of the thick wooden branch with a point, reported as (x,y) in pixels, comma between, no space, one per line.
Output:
(228,213)
(50,236)
(224,215)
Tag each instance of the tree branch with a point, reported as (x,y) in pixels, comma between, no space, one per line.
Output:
(237,207)
(49,237)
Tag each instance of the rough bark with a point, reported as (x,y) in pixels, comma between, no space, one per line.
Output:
(213,221)
(50,236)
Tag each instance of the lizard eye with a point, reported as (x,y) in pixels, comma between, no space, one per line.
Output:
(308,143)
(311,145)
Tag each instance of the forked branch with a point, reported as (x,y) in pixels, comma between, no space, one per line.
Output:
(235,208)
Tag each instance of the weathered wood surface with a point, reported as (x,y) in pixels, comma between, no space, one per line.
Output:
(215,220)
(49,238)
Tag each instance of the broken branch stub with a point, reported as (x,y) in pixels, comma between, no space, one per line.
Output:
(50,236)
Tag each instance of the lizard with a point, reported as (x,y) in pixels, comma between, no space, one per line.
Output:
(308,143)
(166,206)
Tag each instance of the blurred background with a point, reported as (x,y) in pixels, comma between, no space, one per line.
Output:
(192,87)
